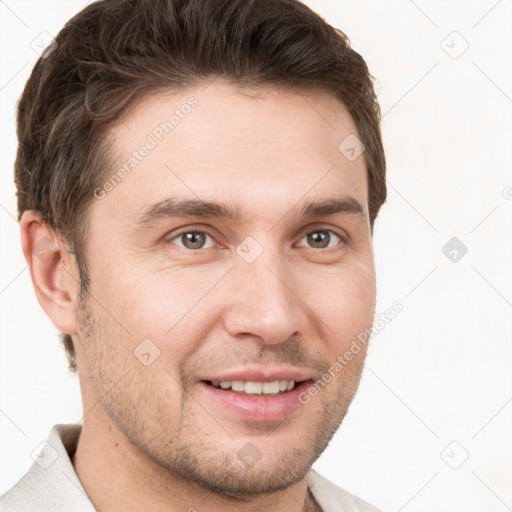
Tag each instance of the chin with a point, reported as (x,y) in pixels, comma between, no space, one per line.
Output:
(238,476)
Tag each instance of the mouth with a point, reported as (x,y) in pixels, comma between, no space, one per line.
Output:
(261,399)
(273,388)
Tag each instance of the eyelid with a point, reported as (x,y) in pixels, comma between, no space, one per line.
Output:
(322,227)
(191,229)
(312,229)
(304,231)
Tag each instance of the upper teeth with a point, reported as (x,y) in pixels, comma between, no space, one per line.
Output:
(251,387)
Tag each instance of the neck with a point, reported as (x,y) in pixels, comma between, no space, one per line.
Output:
(117,476)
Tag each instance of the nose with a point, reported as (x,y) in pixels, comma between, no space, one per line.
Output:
(264,300)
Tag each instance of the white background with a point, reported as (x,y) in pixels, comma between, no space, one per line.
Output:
(441,370)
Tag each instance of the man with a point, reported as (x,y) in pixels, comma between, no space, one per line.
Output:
(198,182)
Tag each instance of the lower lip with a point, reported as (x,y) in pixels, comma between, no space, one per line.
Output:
(256,407)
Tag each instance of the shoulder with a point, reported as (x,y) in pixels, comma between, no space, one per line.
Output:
(51,482)
(332,498)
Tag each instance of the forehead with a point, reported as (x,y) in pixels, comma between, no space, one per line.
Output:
(255,147)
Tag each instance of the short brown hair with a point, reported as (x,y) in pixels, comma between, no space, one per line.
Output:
(115,51)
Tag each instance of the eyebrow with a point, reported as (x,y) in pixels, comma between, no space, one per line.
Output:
(172,207)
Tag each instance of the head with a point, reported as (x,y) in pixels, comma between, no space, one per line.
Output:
(242,117)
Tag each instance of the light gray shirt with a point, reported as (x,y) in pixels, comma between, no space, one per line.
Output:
(52,485)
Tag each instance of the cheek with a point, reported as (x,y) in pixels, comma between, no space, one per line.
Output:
(345,302)
(164,307)
(171,306)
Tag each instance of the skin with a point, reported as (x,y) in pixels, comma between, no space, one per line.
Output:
(152,439)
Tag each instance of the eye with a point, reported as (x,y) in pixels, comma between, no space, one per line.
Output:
(322,238)
(192,240)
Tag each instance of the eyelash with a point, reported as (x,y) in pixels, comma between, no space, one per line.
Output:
(303,234)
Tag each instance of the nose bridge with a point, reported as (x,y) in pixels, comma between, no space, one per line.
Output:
(263,302)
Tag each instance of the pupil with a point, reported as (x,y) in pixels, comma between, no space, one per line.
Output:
(319,239)
(194,240)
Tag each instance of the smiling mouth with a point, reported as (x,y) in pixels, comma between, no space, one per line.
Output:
(276,387)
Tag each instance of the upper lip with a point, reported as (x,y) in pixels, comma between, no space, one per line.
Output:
(260,374)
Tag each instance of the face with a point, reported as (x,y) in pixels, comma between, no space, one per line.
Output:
(231,265)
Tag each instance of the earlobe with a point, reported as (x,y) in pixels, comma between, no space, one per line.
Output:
(52,271)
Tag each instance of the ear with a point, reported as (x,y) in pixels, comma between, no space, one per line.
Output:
(52,269)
